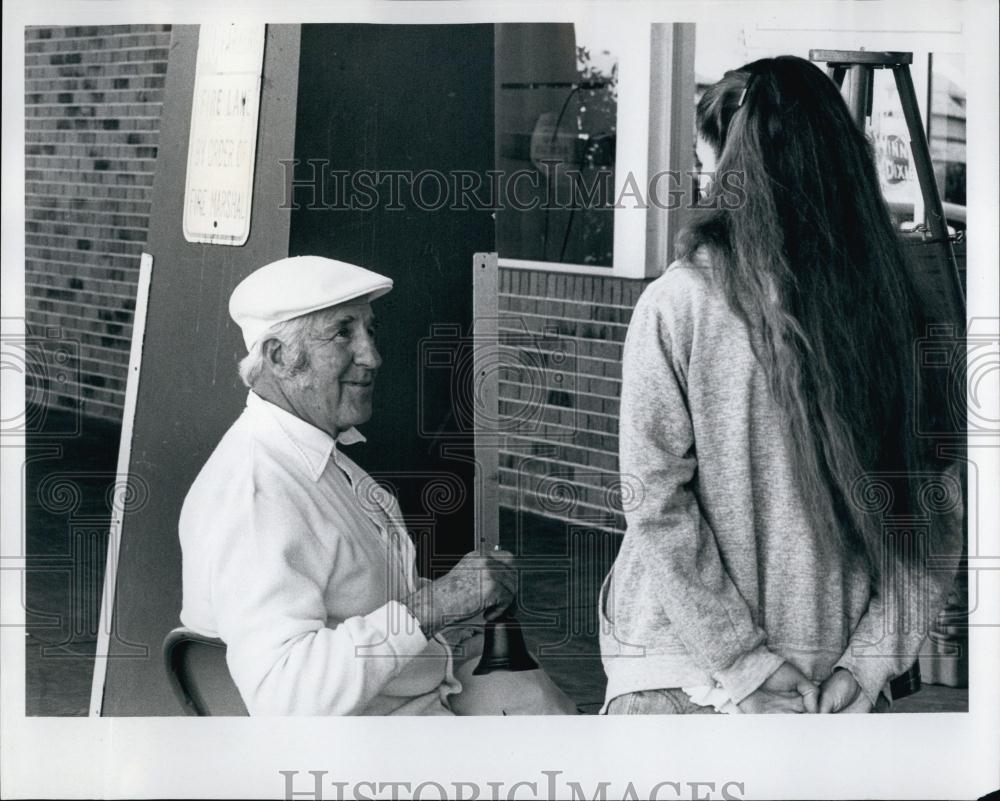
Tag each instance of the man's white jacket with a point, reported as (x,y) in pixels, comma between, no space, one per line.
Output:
(297,559)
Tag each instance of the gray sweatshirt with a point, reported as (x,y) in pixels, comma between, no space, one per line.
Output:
(721,576)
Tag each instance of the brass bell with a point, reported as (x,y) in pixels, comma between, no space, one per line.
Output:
(504,647)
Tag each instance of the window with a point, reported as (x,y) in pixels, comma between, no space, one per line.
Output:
(557,115)
(578,135)
(947,131)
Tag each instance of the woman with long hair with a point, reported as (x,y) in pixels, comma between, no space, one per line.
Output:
(768,417)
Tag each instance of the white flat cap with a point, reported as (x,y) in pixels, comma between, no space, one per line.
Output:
(298,285)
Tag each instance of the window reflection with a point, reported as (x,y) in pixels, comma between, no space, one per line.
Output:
(556,109)
(947,125)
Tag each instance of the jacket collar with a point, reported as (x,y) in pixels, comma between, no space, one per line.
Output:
(312,444)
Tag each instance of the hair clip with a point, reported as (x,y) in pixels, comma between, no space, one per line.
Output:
(746,88)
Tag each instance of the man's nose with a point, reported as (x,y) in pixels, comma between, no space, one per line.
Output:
(366,354)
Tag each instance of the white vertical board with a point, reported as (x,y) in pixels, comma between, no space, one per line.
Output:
(121,489)
(486,392)
(218,188)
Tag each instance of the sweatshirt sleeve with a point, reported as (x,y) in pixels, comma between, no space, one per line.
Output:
(268,578)
(679,565)
(887,639)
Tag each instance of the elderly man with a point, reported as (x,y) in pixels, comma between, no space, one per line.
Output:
(292,555)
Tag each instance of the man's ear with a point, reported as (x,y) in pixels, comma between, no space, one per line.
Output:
(274,353)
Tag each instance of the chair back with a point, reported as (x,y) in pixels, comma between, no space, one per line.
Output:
(198,674)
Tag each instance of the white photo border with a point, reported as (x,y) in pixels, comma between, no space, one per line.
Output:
(881,756)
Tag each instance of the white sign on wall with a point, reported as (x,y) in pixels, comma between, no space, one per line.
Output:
(218,188)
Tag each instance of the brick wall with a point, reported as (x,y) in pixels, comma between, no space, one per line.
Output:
(93,97)
(562,337)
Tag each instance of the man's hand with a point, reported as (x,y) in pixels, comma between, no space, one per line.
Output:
(788,689)
(839,691)
(480,583)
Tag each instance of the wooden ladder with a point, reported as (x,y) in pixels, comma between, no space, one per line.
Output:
(858,67)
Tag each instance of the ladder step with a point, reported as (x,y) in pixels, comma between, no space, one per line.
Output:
(872,58)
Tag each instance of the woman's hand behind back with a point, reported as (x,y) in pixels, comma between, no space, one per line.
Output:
(787,690)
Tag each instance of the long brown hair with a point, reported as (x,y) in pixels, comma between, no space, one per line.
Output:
(810,260)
